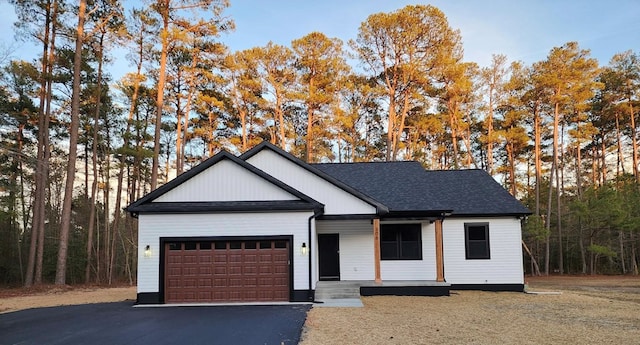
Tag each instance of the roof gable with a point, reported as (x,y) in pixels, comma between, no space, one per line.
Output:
(288,168)
(225,181)
(222,181)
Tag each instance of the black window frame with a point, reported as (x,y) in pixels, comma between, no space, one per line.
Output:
(486,255)
(398,231)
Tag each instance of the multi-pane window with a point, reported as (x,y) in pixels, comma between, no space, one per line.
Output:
(400,242)
(476,236)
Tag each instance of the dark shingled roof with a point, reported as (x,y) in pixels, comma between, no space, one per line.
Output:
(406,187)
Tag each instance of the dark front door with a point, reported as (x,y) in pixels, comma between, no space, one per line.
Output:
(329,256)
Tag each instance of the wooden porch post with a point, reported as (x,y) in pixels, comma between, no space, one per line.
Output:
(376,249)
(439,252)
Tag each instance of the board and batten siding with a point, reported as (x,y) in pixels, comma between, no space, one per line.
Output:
(336,200)
(225,181)
(356,253)
(505,264)
(151,227)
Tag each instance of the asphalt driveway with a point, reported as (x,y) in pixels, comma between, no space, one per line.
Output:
(120,323)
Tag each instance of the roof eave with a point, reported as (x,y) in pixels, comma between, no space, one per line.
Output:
(491,215)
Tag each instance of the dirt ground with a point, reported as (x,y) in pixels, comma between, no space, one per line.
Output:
(589,310)
(50,296)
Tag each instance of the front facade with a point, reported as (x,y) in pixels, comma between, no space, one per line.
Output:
(267,227)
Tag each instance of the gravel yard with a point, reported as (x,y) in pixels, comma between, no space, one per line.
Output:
(605,311)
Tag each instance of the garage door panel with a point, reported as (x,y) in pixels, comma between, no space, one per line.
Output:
(251,258)
(223,271)
(220,258)
(219,270)
(249,270)
(205,283)
(174,259)
(205,295)
(250,282)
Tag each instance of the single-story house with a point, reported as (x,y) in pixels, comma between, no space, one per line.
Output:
(266,226)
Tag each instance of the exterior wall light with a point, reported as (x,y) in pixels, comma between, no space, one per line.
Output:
(303,249)
(147,251)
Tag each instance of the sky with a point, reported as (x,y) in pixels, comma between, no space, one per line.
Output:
(521,30)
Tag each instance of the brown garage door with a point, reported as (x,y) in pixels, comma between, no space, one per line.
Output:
(226,271)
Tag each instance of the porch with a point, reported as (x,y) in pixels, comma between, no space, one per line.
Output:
(328,290)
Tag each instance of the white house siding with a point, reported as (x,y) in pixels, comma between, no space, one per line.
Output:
(505,265)
(336,200)
(356,247)
(424,269)
(225,181)
(153,226)
(356,253)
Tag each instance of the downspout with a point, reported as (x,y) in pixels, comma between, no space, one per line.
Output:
(316,213)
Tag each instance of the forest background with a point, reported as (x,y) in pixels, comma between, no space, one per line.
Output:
(77,146)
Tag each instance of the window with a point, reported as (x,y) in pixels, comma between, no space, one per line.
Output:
(401,242)
(476,238)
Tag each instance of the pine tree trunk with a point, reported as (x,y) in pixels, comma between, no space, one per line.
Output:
(94,162)
(620,162)
(490,133)
(512,168)
(454,134)
(634,142)
(391,125)
(164,34)
(559,185)
(603,156)
(621,246)
(583,254)
(37,223)
(310,113)
(538,158)
(280,116)
(634,259)
(179,116)
(61,266)
(547,258)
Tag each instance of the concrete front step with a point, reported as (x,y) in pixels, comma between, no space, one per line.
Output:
(337,290)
